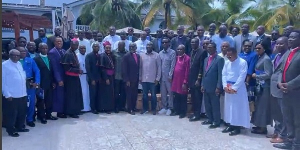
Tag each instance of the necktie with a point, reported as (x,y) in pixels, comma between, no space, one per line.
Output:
(208,62)
(135,57)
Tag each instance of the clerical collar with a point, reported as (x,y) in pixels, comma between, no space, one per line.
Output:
(43,55)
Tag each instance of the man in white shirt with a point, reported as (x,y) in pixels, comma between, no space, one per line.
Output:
(14,91)
(83,41)
(112,38)
(142,43)
(224,47)
(123,38)
(99,41)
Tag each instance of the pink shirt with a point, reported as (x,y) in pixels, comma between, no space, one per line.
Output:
(181,72)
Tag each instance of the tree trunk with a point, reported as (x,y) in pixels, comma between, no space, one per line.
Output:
(167,13)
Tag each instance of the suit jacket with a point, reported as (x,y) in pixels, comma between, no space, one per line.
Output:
(196,66)
(55,59)
(212,76)
(185,41)
(134,38)
(155,45)
(292,75)
(92,69)
(264,64)
(275,92)
(46,74)
(130,69)
(239,42)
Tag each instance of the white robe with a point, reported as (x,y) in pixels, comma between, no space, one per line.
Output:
(84,83)
(236,106)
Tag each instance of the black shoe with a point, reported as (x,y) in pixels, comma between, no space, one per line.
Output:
(43,120)
(235,132)
(191,116)
(228,129)
(206,123)
(14,134)
(61,116)
(181,116)
(132,112)
(107,112)
(117,111)
(74,116)
(259,131)
(194,119)
(95,112)
(51,118)
(23,130)
(213,126)
(174,113)
(283,146)
(203,115)
(154,112)
(144,112)
(30,124)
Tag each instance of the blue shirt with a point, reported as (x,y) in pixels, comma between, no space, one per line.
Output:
(218,40)
(251,59)
(31,69)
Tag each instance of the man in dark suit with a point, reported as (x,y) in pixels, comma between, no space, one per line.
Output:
(289,83)
(93,77)
(157,42)
(195,75)
(51,39)
(55,55)
(130,71)
(41,39)
(45,104)
(276,94)
(131,37)
(212,86)
(181,39)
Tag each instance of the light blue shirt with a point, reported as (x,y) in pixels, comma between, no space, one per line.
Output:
(218,40)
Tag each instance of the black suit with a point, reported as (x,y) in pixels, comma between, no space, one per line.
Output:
(197,61)
(134,38)
(93,74)
(46,85)
(130,73)
(176,41)
(156,45)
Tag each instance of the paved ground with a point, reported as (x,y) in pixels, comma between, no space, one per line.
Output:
(125,132)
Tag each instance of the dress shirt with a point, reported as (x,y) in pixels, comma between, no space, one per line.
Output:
(150,68)
(288,61)
(13,80)
(277,59)
(210,58)
(112,39)
(141,46)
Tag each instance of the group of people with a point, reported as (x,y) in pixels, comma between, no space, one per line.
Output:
(86,72)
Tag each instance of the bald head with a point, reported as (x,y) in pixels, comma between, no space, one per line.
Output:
(74,45)
(222,31)
(14,55)
(31,47)
(180,30)
(143,35)
(121,46)
(281,45)
(260,30)
(43,48)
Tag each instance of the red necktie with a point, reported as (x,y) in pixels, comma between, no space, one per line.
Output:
(209,62)
(135,57)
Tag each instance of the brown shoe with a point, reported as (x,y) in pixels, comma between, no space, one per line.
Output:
(273,136)
(276,140)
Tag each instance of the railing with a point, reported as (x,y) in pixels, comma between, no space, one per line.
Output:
(82,27)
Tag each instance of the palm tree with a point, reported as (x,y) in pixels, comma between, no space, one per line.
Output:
(184,11)
(120,13)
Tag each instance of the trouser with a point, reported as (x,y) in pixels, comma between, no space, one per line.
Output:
(196,98)
(212,107)
(166,95)
(222,104)
(131,95)
(180,103)
(44,106)
(14,113)
(31,107)
(94,96)
(147,86)
(120,94)
(276,108)
(291,111)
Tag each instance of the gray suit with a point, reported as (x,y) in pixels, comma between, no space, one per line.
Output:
(290,100)
(262,115)
(212,79)
(238,41)
(276,98)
